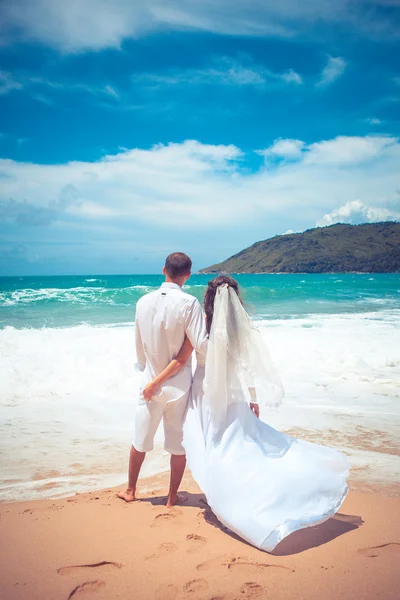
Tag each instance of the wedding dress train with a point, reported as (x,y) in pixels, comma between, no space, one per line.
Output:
(262,484)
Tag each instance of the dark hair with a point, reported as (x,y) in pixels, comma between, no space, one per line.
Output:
(211,291)
(178,264)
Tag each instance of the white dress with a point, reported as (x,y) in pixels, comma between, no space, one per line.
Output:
(261,484)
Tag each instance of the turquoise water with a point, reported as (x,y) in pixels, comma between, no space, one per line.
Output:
(110,299)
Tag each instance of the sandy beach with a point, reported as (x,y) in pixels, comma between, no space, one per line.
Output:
(93,545)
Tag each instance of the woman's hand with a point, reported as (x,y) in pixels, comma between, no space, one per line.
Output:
(255,409)
(150,391)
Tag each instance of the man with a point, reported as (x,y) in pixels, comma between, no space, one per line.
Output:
(163,319)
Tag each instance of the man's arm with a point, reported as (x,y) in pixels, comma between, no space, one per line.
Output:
(170,370)
(140,355)
(195,327)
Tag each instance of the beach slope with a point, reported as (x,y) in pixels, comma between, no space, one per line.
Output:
(95,546)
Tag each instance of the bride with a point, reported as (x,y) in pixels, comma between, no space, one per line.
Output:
(262,484)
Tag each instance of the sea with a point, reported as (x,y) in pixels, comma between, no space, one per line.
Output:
(68,386)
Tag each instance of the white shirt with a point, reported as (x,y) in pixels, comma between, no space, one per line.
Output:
(163,319)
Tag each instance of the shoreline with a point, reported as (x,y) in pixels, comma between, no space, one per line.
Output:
(370,478)
(373,467)
(93,545)
(358,484)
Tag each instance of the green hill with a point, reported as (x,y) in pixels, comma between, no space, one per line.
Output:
(368,248)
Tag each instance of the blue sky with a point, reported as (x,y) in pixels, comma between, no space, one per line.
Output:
(130,131)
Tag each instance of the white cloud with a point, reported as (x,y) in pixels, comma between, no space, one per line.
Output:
(8,83)
(69,86)
(347,150)
(36,85)
(373,121)
(342,150)
(223,71)
(202,187)
(285,148)
(109,89)
(332,71)
(78,25)
(356,211)
(42,99)
(291,77)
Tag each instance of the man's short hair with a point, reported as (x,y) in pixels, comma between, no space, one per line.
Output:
(178,264)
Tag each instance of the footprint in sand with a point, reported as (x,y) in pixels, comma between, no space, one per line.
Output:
(55,507)
(86,588)
(251,590)
(383,549)
(219,561)
(196,585)
(163,549)
(195,542)
(104,565)
(169,517)
(238,564)
(249,567)
(167,592)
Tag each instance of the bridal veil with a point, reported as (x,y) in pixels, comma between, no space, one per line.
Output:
(238,366)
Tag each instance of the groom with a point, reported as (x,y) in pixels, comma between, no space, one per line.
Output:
(163,319)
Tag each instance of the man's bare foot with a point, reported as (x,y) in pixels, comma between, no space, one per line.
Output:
(174,499)
(128,495)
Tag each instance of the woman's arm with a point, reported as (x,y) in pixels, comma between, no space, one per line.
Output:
(253,404)
(170,370)
(255,409)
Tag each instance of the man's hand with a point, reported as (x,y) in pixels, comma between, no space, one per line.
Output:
(149,391)
(255,409)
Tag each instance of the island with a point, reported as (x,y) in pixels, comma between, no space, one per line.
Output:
(339,248)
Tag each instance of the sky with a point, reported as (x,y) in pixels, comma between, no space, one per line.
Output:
(129,130)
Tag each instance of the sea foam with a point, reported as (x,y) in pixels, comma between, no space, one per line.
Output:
(68,394)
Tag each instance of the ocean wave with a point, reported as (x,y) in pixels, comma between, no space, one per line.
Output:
(75,295)
(108,299)
(68,394)
(95,358)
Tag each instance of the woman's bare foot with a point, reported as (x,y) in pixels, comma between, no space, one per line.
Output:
(174,499)
(128,495)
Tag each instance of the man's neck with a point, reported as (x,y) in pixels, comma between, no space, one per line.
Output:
(179,281)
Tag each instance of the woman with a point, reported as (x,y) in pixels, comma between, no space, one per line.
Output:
(260,483)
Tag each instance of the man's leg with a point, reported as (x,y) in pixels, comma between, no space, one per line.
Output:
(174,415)
(178,464)
(136,459)
(147,419)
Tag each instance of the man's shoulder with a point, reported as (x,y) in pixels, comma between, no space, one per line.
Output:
(180,296)
(189,298)
(146,299)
